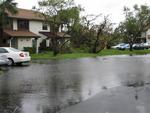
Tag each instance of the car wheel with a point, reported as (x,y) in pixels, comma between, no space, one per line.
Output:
(10,62)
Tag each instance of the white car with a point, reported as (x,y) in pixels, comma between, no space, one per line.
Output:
(125,46)
(3,60)
(146,45)
(121,46)
(118,46)
(14,56)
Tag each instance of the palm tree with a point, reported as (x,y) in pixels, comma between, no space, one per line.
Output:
(6,6)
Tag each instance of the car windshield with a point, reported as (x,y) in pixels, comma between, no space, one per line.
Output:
(122,44)
(15,50)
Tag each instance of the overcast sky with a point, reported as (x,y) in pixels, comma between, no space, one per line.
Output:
(114,8)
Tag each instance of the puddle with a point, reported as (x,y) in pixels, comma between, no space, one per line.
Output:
(54,85)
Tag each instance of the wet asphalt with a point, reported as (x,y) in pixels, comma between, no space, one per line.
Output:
(118,84)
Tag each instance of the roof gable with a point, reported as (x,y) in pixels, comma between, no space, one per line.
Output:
(27,14)
(57,35)
(27,34)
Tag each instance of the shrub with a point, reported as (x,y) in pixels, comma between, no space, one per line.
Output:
(66,49)
(30,49)
(43,50)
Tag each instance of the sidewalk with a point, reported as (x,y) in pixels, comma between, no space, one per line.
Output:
(116,100)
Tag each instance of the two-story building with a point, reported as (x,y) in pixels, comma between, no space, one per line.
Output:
(146,35)
(27,29)
(23,29)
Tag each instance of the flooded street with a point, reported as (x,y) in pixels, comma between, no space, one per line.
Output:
(50,86)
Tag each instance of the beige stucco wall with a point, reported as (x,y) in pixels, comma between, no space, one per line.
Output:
(148,34)
(15,24)
(143,34)
(36,27)
(24,42)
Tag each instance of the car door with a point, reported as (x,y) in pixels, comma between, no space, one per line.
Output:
(3,53)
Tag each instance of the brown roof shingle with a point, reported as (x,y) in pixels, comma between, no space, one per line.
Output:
(27,14)
(19,34)
(58,35)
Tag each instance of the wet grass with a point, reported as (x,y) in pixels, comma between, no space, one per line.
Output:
(49,55)
(106,52)
(123,52)
(1,71)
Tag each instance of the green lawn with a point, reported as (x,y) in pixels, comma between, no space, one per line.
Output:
(123,52)
(1,71)
(49,55)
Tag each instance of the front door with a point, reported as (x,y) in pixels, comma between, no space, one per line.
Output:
(14,43)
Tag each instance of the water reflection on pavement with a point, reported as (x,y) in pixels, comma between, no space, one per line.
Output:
(50,86)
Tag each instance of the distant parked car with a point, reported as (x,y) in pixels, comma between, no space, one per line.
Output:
(121,46)
(146,45)
(138,46)
(3,60)
(125,46)
(118,46)
(15,56)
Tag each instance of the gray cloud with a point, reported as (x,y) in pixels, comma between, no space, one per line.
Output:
(114,8)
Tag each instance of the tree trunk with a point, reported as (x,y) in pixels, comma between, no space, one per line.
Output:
(1,37)
(55,47)
(94,48)
(61,46)
(131,47)
(96,44)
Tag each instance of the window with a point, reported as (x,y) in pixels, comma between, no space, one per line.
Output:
(13,49)
(23,25)
(45,26)
(2,50)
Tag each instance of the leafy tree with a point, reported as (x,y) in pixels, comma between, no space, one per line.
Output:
(103,35)
(135,23)
(6,6)
(130,30)
(59,13)
(82,36)
(92,36)
(142,14)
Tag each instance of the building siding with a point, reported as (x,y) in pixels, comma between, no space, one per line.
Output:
(15,24)
(24,42)
(36,27)
(147,36)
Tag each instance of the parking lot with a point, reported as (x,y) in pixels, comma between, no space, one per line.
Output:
(52,86)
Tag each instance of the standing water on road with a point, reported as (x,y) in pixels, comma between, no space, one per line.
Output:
(54,85)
